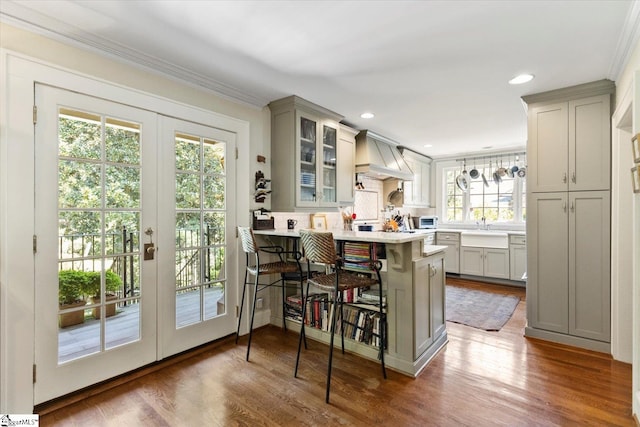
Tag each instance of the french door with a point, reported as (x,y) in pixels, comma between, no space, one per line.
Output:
(198,199)
(132,225)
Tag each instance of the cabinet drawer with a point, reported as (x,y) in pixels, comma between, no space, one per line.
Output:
(443,236)
(515,239)
(429,239)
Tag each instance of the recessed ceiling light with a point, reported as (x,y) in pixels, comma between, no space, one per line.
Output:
(487,147)
(367,115)
(522,78)
(428,145)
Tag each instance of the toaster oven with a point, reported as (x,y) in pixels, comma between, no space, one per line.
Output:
(426,221)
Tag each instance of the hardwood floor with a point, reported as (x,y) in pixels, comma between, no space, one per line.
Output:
(480,379)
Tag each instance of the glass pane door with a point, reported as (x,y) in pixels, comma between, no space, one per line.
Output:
(329,153)
(197,207)
(94,189)
(308,153)
(200,228)
(99,180)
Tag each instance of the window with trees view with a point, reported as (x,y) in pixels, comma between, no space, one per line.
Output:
(99,210)
(200,223)
(502,200)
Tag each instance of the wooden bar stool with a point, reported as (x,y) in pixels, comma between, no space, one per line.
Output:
(287,269)
(319,247)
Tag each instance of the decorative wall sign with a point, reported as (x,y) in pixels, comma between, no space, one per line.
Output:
(635,146)
(635,177)
(319,222)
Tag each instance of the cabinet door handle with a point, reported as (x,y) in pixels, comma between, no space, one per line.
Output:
(564,206)
(572,207)
(573,177)
(564,178)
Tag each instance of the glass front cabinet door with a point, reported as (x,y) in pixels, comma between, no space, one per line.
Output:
(316,151)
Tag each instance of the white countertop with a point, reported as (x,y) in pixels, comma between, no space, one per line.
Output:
(354,236)
(462,230)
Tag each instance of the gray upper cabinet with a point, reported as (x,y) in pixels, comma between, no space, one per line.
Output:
(416,191)
(346,178)
(312,154)
(565,142)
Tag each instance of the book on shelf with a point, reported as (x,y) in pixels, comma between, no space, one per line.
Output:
(360,324)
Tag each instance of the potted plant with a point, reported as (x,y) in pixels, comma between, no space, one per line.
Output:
(113,283)
(72,286)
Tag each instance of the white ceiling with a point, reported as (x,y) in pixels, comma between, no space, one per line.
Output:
(433,72)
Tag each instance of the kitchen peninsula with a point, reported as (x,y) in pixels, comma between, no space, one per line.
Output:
(413,279)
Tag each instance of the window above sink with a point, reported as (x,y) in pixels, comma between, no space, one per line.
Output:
(466,201)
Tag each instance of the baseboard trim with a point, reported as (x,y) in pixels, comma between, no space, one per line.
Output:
(602,347)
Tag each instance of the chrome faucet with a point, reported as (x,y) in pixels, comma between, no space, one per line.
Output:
(484,226)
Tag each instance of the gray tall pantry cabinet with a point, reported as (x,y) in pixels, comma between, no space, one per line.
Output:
(568,215)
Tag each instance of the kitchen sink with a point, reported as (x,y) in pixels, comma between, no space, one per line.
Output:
(485,239)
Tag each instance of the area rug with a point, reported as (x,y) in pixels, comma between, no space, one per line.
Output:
(478,309)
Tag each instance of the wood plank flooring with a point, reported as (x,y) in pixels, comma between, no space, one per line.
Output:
(480,379)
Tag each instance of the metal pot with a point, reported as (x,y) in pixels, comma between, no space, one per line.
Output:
(501,171)
(396,197)
(474,173)
(522,172)
(509,171)
(461,180)
(462,183)
(497,179)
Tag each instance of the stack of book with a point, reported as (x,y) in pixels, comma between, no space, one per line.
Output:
(362,325)
(293,307)
(356,256)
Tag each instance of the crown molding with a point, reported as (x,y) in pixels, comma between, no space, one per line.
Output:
(627,42)
(28,19)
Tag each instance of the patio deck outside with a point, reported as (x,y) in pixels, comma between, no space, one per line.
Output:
(84,339)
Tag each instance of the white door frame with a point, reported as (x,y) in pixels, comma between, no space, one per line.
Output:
(18,76)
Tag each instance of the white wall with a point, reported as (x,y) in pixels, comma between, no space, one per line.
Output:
(625,283)
(20,48)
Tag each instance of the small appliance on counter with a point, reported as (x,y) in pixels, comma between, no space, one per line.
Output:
(425,221)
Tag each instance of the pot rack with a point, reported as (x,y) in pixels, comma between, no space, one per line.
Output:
(492,156)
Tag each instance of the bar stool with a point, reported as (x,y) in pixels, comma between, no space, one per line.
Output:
(287,269)
(319,247)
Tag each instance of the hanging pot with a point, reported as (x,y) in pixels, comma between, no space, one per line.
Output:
(474,173)
(522,172)
(496,175)
(462,182)
(515,166)
(396,197)
(509,171)
(501,171)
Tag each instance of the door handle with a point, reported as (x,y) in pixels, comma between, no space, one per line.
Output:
(573,177)
(564,178)
(149,248)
